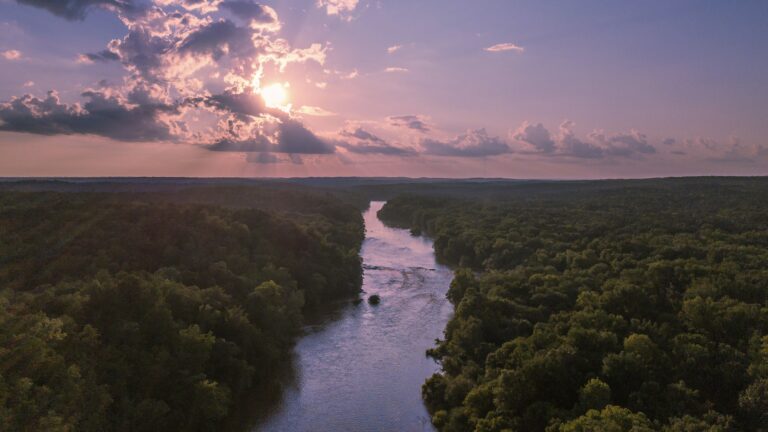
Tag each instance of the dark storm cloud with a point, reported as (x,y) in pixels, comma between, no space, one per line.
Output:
(101,115)
(537,136)
(78,9)
(410,122)
(473,144)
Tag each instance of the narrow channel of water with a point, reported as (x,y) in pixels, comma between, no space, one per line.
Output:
(361,368)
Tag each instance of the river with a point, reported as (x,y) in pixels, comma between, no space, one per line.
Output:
(361,367)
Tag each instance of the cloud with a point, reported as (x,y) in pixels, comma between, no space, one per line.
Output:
(244,103)
(738,151)
(734,151)
(203,6)
(508,46)
(363,135)
(29,84)
(216,39)
(338,7)
(295,138)
(257,15)
(262,158)
(101,56)
(11,54)
(537,139)
(342,75)
(102,114)
(184,60)
(571,146)
(409,122)
(475,143)
(386,150)
(361,141)
(537,136)
(291,137)
(265,158)
(78,9)
(601,145)
(251,145)
(623,144)
(702,143)
(244,134)
(669,141)
(395,70)
(282,57)
(314,111)
(393,49)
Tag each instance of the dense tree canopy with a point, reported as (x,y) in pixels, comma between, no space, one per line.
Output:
(131,312)
(604,307)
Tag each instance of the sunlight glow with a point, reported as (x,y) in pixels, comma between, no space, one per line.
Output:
(276,96)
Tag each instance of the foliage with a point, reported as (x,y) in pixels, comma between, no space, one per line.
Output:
(130,313)
(604,307)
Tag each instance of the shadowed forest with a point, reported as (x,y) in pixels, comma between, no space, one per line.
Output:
(603,306)
(600,305)
(140,313)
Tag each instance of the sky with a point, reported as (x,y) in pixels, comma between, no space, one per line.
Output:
(419,88)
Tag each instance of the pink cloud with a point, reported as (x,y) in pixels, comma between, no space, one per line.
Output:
(508,46)
(11,54)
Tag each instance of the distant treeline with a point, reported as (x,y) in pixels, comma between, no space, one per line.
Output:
(157,311)
(601,306)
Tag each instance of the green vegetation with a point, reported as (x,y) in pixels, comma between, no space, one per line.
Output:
(612,306)
(149,312)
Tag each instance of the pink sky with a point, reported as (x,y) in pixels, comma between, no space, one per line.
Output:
(236,88)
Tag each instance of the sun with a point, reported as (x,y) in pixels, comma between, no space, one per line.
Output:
(276,96)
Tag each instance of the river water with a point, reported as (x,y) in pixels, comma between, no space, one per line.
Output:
(361,367)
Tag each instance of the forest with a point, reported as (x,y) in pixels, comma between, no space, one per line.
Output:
(611,306)
(159,310)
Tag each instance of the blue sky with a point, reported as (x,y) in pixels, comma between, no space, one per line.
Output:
(573,89)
